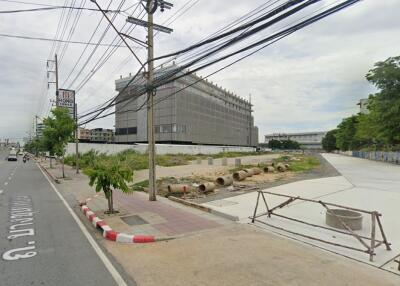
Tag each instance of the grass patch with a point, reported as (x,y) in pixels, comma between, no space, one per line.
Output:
(140,186)
(137,161)
(299,163)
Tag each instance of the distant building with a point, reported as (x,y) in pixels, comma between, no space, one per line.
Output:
(307,140)
(84,134)
(201,113)
(102,135)
(363,106)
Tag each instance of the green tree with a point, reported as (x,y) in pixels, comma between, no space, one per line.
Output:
(384,105)
(346,134)
(290,145)
(329,141)
(58,130)
(275,144)
(107,175)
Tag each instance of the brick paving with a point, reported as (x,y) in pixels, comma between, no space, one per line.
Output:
(176,221)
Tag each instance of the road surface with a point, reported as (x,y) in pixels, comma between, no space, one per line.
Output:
(41,243)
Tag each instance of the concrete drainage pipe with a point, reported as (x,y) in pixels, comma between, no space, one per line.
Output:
(240,175)
(280,167)
(249,172)
(178,188)
(269,169)
(351,218)
(225,180)
(207,187)
(256,171)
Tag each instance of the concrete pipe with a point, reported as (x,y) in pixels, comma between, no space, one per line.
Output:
(238,162)
(249,172)
(210,161)
(224,162)
(287,166)
(351,218)
(240,175)
(256,171)
(207,187)
(224,180)
(280,167)
(269,169)
(178,188)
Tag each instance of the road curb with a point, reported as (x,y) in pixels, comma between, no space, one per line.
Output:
(49,174)
(204,208)
(112,235)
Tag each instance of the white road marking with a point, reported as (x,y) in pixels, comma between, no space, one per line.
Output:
(9,178)
(6,183)
(1,192)
(114,273)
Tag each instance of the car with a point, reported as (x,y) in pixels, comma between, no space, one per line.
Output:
(12,156)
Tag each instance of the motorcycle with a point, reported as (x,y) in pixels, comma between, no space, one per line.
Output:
(24,159)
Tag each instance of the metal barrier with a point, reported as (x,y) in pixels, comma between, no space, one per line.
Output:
(369,248)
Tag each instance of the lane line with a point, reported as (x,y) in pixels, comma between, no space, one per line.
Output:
(107,263)
(1,192)
(5,183)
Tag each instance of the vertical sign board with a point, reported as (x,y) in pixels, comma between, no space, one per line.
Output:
(66,98)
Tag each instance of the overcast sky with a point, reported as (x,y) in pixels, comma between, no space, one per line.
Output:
(308,81)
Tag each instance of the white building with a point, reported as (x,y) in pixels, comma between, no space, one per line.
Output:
(363,106)
(307,140)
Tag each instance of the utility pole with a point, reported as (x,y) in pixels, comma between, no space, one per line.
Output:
(151,7)
(76,140)
(55,71)
(150,108)
(37,135)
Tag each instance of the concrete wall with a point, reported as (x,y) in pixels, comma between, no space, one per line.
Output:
(390,157)
(161,148)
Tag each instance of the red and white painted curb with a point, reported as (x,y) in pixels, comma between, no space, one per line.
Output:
(110,234)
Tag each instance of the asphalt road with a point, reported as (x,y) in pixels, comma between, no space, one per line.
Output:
(43,246)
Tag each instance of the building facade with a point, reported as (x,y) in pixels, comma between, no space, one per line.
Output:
(84,134)
(102,135)
(363,106)
(202,113)
(307,140)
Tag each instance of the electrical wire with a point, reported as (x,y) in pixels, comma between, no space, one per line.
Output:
(276,37)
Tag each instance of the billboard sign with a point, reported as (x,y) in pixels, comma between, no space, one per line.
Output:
(66,98)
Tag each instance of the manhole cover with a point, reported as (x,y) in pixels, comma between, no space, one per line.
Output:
(134,220)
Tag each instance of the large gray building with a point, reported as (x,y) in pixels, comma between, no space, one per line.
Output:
(203,113)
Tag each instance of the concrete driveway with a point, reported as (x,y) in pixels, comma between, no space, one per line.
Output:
(364,184)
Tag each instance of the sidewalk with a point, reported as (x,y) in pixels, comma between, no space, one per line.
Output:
(137,214)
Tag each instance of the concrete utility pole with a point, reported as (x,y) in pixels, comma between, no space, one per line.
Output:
(76,140)
(151,7)
(56,62)
(37,135)
(150,108)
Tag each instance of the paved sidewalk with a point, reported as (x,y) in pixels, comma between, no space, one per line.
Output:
(137,214)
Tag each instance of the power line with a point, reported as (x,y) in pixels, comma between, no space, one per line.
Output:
(163,23)
(63,41)
(272,39)
(53,8)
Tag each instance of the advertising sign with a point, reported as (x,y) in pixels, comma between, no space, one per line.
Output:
(66,98)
